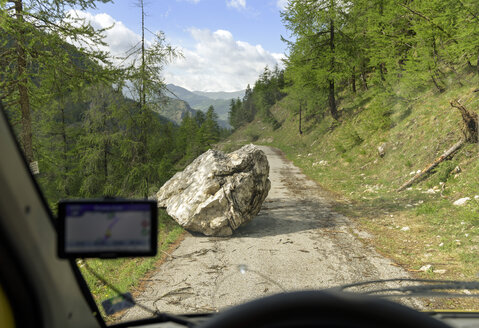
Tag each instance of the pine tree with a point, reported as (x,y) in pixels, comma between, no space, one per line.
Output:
(233,115)
(209,132)
(101,144)
(320,45)
(34,44)
(145,73)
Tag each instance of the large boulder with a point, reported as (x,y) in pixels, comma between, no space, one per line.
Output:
(218,192)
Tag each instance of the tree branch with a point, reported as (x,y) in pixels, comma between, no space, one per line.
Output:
(430,21)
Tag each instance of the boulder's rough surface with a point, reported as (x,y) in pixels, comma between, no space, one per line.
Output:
(218,192)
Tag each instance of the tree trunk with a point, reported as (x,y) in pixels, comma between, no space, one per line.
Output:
(364,81)
(477,67)
(65,150)
(143,78)
(353,82)
(26,133)
(440,88)
(331,98)
(382,71)
(143,133)
(428,168)
(300,131)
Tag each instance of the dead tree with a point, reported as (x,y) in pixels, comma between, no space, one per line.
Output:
(469,122)
(428,168)
(469,130)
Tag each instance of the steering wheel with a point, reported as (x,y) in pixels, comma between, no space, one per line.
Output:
(321,309)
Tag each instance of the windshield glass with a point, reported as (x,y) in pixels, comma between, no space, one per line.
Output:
(290,144)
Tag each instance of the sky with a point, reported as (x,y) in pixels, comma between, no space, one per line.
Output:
(225,43)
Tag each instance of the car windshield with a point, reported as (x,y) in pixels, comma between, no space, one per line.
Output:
(289,144)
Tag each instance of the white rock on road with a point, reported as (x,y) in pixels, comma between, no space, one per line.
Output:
(218,192)
(296,242)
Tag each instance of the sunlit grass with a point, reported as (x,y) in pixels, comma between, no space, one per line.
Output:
(344,159)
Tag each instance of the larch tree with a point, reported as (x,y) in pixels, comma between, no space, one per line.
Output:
(146,87)
(34,46)
(320,45)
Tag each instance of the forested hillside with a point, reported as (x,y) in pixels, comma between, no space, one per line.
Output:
(64,98)
(372,94)
(397,49)
(203,100)
(175,110)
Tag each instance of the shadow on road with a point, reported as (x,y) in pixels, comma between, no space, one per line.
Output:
(279,217)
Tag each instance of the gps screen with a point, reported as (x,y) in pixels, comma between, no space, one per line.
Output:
(100,229)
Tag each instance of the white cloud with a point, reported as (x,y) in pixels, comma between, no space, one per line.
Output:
(218,62)
(119,38)
(238,4)
(282,4)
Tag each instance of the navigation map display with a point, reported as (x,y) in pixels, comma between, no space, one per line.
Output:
(107,229)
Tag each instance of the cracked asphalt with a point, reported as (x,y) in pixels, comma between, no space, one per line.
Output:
(296,242)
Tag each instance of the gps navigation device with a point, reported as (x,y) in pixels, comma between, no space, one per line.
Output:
(107,228)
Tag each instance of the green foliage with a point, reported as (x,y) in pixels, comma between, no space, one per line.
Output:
(89,139)
(37,66)
(343,48)
(209,131)
(268,90)
(347,140)
(352,138)
(441,173)
(380,114)
(338,146)
(444,169)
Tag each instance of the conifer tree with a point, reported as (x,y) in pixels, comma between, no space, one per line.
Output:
(101,144)
(145,74)
(34,43)
(209,132)
(320,42)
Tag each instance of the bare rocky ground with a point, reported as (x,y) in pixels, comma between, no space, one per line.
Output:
(296,242)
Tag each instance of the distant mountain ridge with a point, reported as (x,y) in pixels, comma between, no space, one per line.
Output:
(200,100)
(221,94)
(175,110)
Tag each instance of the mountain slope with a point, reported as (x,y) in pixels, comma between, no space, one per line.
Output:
(221,94)
(202,102)
(175,110)
(191,98)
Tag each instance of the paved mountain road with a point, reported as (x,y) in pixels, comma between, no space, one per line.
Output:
(295,242)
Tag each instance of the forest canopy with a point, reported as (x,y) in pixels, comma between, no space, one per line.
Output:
(66,101)
(338,48)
